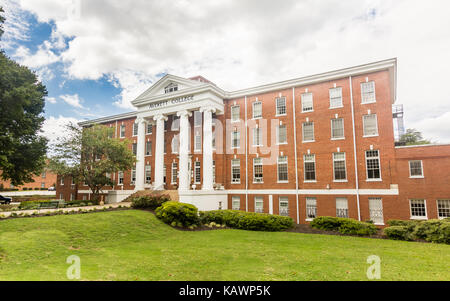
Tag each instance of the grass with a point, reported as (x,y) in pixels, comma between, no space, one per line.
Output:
(134,245)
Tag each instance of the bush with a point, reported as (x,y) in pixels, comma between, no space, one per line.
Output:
(247,220)
(433,231)
(398,233)
(343,225)
(149,202)
(80,203)
(178,214)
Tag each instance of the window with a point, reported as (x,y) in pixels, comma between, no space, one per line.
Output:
(235,113)
(61,196)
(148,174)
(148,148)
(134,148)
(61,181)
(418,209)
(337,128)
(257,137)
(281,106)
(341,207)
(164,174)
(122,131)
(282,169)
(73,181)
(197,118)
(257,110)
(368,92)
(175,144)
(373,165)
(43,175)
(171,88)
(133,176)
(259,204)
(376,211)
(340,173)
(175,123)
(236,203)
(43,185)
(370,125)
(309,162)
(214,171)
(257,170)
(308,131)
(283,206)
(135,129)
(214,139)
(336,98)
(443,208)
(415,169)
(198,175)
(235,139)
(198,142)
(311,208)
(120,177)
(307,102)
(149,128)
(72,197)
(165,146)
(282,134)
(174,172)
(235,171)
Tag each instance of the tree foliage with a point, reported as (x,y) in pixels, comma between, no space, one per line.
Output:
(89,154)
(22,100)
(413,137)
(2,19)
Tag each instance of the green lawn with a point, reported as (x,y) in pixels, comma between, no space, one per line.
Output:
(134,245)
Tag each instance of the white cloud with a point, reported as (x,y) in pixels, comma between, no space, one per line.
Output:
(51,100)
(72,100)
(54,128)
(239,44)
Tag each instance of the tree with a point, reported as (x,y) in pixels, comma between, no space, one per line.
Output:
(2,19)
(22,100)
(89,154)
(413,137)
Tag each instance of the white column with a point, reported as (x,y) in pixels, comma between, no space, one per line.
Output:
(183,174)
(140,155)
(159,152)
(207,148)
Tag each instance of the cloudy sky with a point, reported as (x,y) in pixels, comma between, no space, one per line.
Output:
(95,56)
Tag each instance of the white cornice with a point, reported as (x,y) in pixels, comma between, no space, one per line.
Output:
(108,118)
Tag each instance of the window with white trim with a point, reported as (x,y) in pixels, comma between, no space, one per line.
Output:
(376,211)
(368,92)
(257,136)
(197,172)
(282,169)
(235,113)
(308,131)
(122,131)
(340,173)
(148,174)
(257,170)
(149,128)
(443,207)
(72,197)
(214,138)
(342,207)
(283,206)
(175,123)
(337,128)
(174,172)
(120,177)
(235,171)
(61,181)
(164,174)
(309,162)
(336,98)
(370,125)
(281,106)
(172,87)
(134,148)
(311,208)
(43,185)
(307,102)
(148,148)
(198,142)
(259,204)
(418,209)
(198,118)
(415,169)
(235,139)
(257,109)
(281,134)
(61,196)
(133,176)
(135,129)
(175,144)
(373,165)
(236,203)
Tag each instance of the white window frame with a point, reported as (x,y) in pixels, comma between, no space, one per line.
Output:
(120,178)
(135,129)
(339,208)
(257,137)
(174,175)
(332,129)
(134,148)
(332,97)
(233,119)
(303,131)
(175,126)
(61,181)
(254,112)
(311,205)
(421,169)
(280,106)
(197,167)
(447,207)
(235,199)
(278,134)
(283,200)
(148,174)
(365,135)
(379,166)
(122,131)
(364,92)
(303,99)
(172,87)
(149,126)
(148,152)
(238,133)
(371,210)
(259,199)
(418,217)
(258,162)
(133,175)
(278,169)
(313,160)
(334,167)
(175,145)
(239,168)
(197,142)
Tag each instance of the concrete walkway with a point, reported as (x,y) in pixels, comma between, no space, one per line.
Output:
(71,209)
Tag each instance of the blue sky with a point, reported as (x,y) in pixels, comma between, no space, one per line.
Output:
(96,56)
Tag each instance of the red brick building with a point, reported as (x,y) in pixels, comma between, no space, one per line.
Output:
(312,146)
(46,179)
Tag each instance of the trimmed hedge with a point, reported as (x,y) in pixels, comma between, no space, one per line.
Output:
(343,225)
(437,231)
(178,214)
(247,220)
(398,233)
(149,202)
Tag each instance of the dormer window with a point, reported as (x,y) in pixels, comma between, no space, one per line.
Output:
(171,88)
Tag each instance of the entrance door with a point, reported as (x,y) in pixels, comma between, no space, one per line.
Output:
(376,210)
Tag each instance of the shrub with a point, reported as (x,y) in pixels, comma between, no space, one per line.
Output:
(432,230)
(247,220)
(408,224)
(149,202)
(398,233)
(80,203)
(343,225)
(178,214)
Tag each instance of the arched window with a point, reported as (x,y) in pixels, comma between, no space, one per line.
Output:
(171,88)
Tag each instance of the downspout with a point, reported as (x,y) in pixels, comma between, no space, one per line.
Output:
(295,154)
(246,158)
(354,149)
